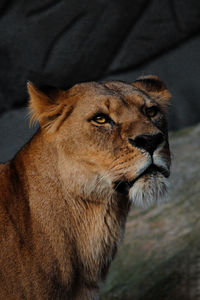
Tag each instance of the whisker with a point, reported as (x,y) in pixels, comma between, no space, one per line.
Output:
(118,184)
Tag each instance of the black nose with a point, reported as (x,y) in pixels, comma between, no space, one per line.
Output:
(147,142)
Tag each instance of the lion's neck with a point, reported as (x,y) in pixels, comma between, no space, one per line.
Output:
(75,229)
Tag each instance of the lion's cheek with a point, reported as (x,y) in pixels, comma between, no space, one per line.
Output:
(131,168)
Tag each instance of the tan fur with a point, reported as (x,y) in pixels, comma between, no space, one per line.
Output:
(61,217)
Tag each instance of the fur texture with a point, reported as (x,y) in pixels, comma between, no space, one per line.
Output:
(65,197)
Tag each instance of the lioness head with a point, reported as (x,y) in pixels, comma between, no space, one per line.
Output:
(109,136)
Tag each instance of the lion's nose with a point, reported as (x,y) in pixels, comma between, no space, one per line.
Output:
(147,142)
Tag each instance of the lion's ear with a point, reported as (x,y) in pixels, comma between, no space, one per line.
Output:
(155,88)
(45,107)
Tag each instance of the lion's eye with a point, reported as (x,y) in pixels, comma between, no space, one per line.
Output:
(101,119)
(152,111)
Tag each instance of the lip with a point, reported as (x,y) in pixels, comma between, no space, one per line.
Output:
(123,187)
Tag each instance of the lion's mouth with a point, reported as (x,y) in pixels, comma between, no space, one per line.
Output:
(124,186)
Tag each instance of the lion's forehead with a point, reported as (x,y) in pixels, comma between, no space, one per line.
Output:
(109,88)
(123,102)
(121,96)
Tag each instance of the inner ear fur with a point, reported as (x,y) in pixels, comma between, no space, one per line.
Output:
(155,88)
(45,107)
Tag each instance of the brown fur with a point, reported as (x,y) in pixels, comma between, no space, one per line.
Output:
(61,219)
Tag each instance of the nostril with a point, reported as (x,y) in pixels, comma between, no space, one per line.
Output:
(147,142)
(159,139)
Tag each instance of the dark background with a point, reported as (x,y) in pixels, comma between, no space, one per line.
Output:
(60,43)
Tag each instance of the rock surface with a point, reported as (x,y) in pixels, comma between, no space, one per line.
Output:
(159,258)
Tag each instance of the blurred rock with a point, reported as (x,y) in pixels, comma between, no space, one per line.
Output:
(159,258)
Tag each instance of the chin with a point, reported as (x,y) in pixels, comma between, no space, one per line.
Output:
(149,189)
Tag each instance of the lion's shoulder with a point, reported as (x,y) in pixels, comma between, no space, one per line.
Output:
(4,170)
(7,181)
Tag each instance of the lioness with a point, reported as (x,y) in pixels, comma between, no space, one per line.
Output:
(65,196)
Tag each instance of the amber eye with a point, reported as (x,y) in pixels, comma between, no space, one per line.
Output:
(152,111)
(101,119)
